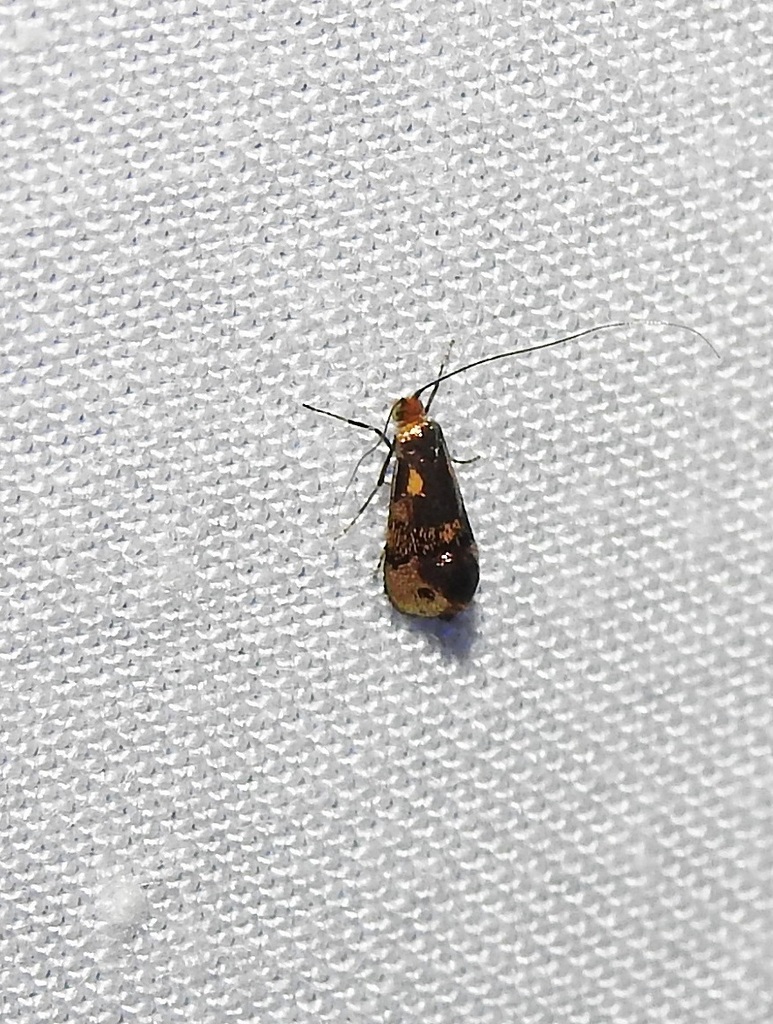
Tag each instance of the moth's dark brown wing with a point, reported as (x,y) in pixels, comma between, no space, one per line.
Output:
(425,499)
(430,558)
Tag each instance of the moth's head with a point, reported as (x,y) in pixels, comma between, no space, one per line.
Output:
(406,411)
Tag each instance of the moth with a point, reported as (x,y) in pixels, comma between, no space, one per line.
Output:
(430,558)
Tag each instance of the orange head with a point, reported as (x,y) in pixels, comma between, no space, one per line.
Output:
(406,411)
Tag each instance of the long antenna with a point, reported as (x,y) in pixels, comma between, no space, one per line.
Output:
(561,341)
(352,423)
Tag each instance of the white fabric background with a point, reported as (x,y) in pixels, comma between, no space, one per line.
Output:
(236,785)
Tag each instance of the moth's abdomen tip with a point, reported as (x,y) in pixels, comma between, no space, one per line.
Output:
(435,587)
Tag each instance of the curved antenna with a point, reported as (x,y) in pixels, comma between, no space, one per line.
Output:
(374,492)
(382,437)
(441,371)
(561,341)
(352,423)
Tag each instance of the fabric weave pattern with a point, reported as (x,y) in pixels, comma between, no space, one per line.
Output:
(239,787)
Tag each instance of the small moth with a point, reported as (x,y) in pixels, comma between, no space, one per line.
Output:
(430,557)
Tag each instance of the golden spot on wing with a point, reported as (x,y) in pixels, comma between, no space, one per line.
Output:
(432,589)
(409,593)
(401,513)
(449,530)
(415,484)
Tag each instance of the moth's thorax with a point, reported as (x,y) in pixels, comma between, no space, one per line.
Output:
(416,437)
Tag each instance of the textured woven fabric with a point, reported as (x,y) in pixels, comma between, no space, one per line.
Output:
(236,786)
